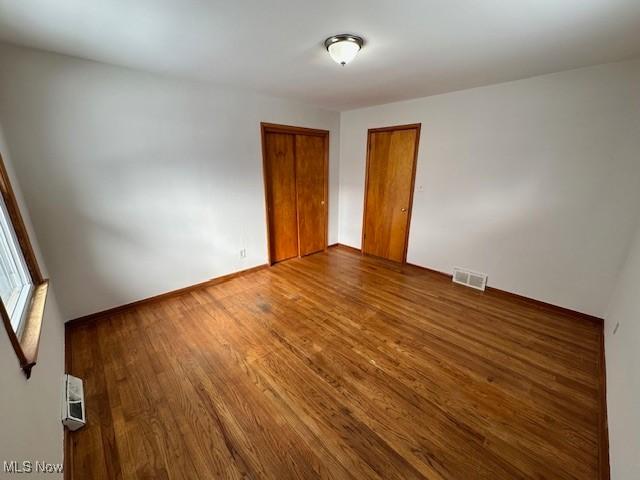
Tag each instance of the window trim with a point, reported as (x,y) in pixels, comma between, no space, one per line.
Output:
(26,342)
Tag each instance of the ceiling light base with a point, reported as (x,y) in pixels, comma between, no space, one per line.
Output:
(344,47)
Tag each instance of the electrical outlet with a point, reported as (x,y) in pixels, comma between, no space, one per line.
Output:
(615,329)
(243,253)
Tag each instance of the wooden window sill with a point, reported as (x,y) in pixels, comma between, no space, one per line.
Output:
(26,347)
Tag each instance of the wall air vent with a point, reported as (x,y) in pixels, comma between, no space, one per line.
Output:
(73,413)
(470,279)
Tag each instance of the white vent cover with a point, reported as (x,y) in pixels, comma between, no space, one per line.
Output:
(72,402)
(470,279)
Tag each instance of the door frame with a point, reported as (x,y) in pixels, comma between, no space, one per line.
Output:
(265,128)
(409,126)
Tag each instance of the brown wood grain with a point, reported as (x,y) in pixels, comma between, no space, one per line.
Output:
(26,346)
(604,465)
(338,365)
(19,227)
(292,129)
(163,296)
(391,158)
(281,195)
(310,186)
(307,163)
(30,335)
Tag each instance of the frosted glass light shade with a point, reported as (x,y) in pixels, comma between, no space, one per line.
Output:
(343,48)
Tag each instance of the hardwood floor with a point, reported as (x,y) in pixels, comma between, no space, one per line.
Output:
(338,366)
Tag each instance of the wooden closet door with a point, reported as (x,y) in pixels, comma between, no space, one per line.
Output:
(280,183)
(389,191)
(310,184)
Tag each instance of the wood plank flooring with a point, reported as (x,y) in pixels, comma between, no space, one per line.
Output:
(338,366)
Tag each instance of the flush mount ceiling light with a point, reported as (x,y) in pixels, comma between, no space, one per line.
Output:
(343,48)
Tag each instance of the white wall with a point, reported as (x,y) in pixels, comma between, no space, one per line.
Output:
(140,184)
(623,367)
(535,182)
(30,409)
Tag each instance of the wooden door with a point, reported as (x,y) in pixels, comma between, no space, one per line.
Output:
(310,184)
(296,188)
(280,186)
(390,177)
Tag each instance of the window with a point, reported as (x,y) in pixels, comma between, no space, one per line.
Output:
(15,282)
(23,291)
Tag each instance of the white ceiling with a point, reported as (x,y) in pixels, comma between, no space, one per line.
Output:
(413,48)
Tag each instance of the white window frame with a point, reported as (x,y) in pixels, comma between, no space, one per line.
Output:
(17,305)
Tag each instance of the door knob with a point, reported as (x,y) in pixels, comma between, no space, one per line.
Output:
(403,209)
(322,202)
